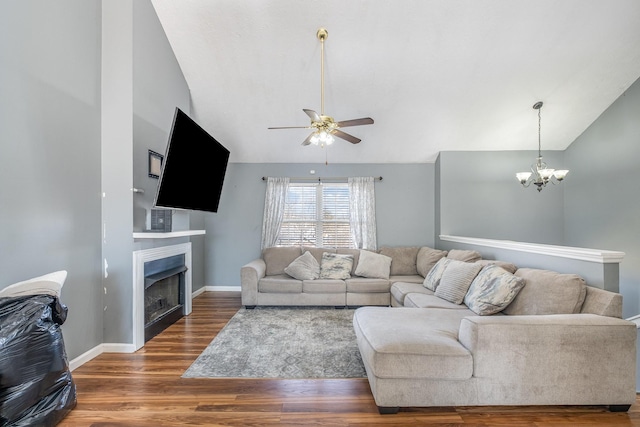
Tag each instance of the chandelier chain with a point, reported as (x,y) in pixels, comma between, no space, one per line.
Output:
(539,131)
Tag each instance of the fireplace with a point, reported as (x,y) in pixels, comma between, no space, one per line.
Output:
(161,289)
(163,294)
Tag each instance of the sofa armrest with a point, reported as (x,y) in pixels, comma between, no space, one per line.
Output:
(250,274)
(563,353)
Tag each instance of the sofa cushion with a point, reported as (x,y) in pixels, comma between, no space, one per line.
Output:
(335,266)
(492,290)
(278,258)
(432,280)
(548,292)
(420,300)
(356,257)
(464,255)
(403,259)
(456,279)
(399,290)
(428,346)
(511,268)
(373,265)
(280,283)
(416,278)
(427,258)
(305,267)
(365,285)
(323,286)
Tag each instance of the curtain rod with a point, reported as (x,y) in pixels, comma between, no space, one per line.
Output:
(320,179)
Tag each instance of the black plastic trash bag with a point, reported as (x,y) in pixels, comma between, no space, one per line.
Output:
(36,387)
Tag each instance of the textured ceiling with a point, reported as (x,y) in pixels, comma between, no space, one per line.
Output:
(435,75)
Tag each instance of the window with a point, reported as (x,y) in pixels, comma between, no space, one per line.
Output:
(316,215)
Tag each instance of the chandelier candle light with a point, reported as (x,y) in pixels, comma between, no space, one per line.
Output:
(540,174)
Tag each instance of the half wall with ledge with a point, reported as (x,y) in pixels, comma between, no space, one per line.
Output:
(600,268)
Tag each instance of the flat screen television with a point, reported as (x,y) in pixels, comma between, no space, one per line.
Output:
(193,168)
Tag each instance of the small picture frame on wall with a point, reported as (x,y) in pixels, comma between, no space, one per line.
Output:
(155,164)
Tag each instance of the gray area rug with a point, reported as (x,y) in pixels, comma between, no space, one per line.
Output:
(271,342)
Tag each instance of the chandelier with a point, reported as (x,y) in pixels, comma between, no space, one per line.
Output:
(540,174)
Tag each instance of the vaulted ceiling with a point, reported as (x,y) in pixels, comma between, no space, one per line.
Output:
(435,75)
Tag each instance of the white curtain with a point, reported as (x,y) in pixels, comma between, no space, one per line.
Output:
(363,212)
(274,200)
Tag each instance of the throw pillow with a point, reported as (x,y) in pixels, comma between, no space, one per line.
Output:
(403,259)
(336,266)
(427,258)
(305,267)
(510,267)
(464,255)
(373,265)
(492,290)
(456,279)
(432,280)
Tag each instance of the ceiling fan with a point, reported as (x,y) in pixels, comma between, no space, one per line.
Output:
(324,126)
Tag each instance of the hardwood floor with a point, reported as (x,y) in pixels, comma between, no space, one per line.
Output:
(145,389)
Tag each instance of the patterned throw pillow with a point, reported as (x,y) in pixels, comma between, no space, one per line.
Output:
(336,266)
(456,279)
(492,290)
(305,267)
(435,274)
(373,265)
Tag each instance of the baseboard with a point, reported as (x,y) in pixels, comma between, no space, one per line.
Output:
(223,288)
(97,351)
(198,292)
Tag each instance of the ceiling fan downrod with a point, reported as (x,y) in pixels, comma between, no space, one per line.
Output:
(322,35)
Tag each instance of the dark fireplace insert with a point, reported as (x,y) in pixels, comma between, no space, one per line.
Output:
(163,294)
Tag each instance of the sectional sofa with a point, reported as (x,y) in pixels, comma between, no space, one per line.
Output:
(360,280)
(451,329)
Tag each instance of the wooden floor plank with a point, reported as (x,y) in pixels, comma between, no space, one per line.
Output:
(146,389)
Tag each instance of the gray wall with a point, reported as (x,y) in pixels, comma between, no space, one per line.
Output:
(404,210)
(479,196)
(50,107)
(602,197)
(84,84)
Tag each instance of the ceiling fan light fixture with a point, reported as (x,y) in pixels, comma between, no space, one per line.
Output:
(325,128)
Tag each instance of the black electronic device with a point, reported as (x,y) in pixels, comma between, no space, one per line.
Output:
(193,169)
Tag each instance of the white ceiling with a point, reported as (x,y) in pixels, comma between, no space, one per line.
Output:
(435,75)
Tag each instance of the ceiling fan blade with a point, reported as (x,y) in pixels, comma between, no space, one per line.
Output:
(291,127)
(308,140)
(315,117)
(352,139)
(356,122)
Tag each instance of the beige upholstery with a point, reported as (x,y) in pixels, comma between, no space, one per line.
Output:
(399,291)
(416,355)
(598,301)
(419,356)
(409,343)
(264,281)
(403,260)
(548,292)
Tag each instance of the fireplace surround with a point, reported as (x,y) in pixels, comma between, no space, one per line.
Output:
(150,257)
